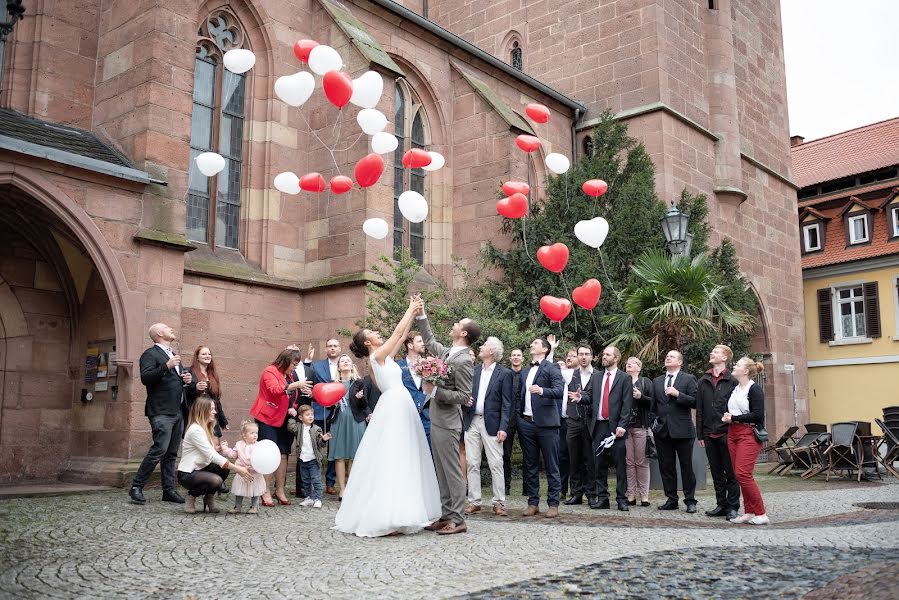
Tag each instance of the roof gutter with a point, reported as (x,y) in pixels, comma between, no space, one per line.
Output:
(457,41)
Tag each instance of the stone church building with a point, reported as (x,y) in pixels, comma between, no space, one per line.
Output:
(106,226)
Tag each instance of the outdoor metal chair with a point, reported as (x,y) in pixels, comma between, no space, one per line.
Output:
(891,438)
(782,448)
(806,454)
(845,451)
(891,413)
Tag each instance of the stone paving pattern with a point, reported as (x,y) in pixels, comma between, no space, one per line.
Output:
(100,546)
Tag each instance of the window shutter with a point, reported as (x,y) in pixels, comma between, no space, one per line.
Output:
(825,315)
(872,310)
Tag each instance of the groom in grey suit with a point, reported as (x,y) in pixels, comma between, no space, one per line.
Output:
(446,403)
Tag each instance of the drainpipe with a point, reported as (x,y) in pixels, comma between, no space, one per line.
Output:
(578,113)
(14,11)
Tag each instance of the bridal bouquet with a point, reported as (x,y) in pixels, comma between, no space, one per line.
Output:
(431,369)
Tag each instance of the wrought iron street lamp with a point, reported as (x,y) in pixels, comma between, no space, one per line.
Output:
(14,12)
(674,225)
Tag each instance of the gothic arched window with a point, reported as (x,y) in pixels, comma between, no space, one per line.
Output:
(216,125)
(588,146)
(516,55)
(410,122)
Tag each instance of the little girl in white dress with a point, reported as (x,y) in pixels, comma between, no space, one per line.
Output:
(241,454)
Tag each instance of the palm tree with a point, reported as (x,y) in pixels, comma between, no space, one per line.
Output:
(672,301)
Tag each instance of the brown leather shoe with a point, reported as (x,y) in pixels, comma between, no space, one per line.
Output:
(531,511)
(437,525)
(453,528)
(330,489)
(499,510)
(472,509)
(552,512)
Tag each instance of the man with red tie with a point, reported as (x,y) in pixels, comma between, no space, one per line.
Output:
(610,399)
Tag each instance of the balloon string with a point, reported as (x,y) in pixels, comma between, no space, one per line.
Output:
(320,141)
(573,312)
(595,326)
(353,143)
(609,279)
(524,236)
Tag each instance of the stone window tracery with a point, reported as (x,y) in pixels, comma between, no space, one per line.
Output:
(411,131)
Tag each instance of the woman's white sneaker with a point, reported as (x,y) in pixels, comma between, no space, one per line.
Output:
(759,520)
(317,504)
(744,518)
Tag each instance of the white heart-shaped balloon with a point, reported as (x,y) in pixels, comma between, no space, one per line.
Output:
(376,228)
(287,183)
(437,162)
(367,90)
(239,60)
(210,163)
(323,59)
(383,142)
(557,163)
(413,206)
(592,232)
(371,120)
(295,89)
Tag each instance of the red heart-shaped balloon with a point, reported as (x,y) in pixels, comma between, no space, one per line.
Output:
(587,295)
(513,207)
(312,182)
(368,170)
(516,187)
(302,49)
(553,257)
(328,394)
(341,184)
(416,158)
(555,309)
(338,87)
(537,112)
(595,187)
(528,143)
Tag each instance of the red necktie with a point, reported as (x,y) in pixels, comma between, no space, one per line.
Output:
(604,409)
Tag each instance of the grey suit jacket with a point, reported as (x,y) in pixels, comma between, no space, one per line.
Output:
(446,406)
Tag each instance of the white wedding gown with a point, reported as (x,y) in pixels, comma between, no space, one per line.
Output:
(392,485)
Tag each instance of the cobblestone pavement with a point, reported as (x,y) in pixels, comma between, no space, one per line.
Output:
(100,546)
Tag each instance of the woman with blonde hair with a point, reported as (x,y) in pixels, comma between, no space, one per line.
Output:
(347,421)
(745,412)
(202,469)
(635,442)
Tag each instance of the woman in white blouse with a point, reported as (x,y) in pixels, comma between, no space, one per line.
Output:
(202,469)
(746,410)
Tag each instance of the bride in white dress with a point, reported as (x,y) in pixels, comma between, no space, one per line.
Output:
(393,486)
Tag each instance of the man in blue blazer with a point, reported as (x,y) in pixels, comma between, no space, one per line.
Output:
(325,371)
(415,349)
(485,422)
(541,392)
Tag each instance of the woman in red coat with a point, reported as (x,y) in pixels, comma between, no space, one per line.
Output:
(276,387)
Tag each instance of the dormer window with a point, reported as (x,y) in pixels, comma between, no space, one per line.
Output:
(811,237)
(858,229)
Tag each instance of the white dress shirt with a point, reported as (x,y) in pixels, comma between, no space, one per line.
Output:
(416,378)
(486,375)
(168,352)
(333,367)
(738,404)
(610,375)
(528,382)
(673,375)
(306,451)
(567,375)
(585,374)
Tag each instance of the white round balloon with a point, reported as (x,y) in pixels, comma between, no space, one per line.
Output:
(376,228)
(371,120)
(266,457)
(592,232)
(557,163)
(239,60)
(367,90)
(295,89)
(383,142)
(323,59)
(413,206)
(210,163)
(287,183)
(437,162)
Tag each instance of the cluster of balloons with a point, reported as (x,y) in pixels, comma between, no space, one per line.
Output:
(555,258)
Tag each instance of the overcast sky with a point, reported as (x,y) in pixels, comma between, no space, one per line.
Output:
(842,59)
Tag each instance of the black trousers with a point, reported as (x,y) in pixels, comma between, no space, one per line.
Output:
(581,466)
(615,455)
(727,490)
(203,481)
(507,451)
(167,433)
(563,455)
(535,442)
(671,452)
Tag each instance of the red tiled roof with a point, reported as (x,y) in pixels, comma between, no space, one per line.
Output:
(855,151)
(835,249)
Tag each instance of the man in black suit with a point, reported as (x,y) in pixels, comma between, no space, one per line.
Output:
(516,361)
(485,422)
(611,402)
(580,445)
(674,396)
(160,372)
(538,427)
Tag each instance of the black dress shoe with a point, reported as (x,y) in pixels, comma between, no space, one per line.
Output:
(731,514)
(642,503)
(632,502)
(223,489)
(670,505)
(622,505)
(600,504)
(718,511)
(691,508)
(172,496)
(576,499)
(137,495)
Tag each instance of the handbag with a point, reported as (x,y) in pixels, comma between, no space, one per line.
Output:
(651,451)
(761,434)
(657,425)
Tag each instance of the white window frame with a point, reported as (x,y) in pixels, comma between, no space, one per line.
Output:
(839,338)
(852,238)
(805,236)
(894,218)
